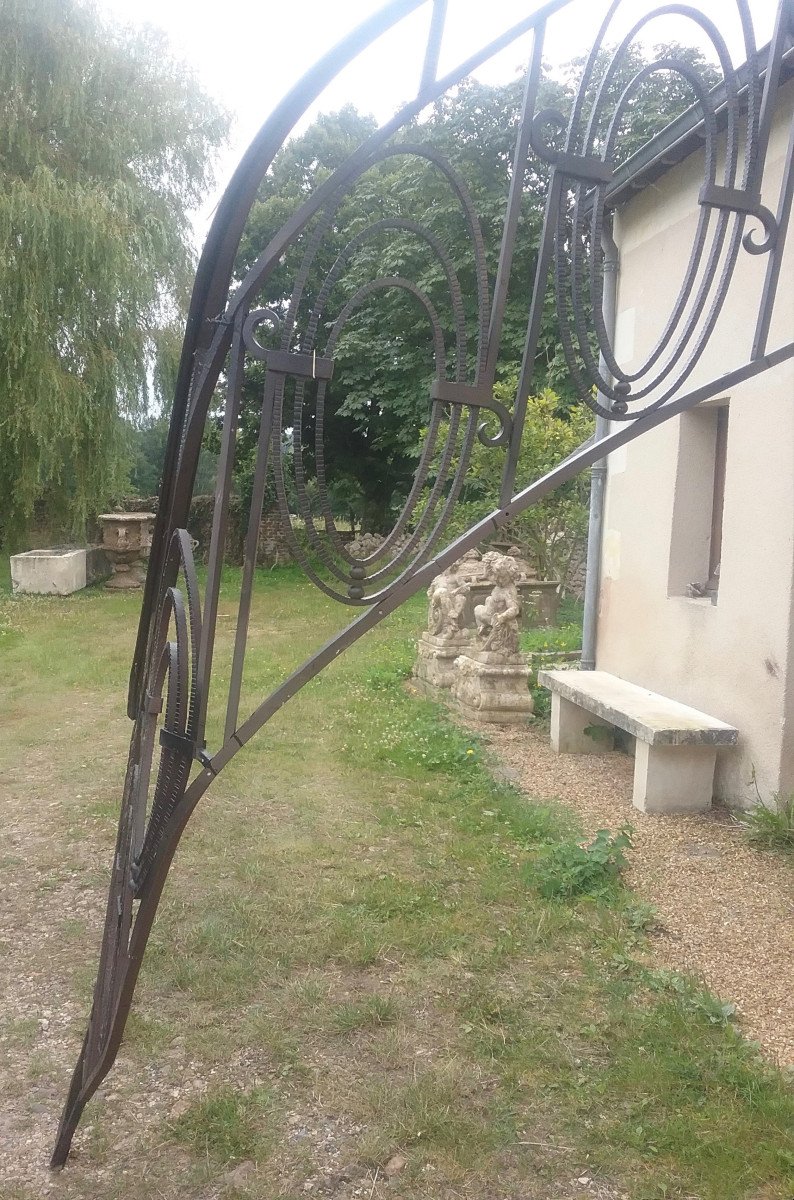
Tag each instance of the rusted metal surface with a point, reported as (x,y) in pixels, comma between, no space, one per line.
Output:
(171,675)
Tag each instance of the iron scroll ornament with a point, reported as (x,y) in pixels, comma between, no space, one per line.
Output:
(296,346)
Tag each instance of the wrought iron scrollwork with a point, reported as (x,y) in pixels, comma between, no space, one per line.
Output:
(726,202)
(176,670)
(296,347)
(404,548)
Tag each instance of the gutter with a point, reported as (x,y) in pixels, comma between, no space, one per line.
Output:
(598,472)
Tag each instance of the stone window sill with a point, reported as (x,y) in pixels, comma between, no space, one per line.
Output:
(696,601)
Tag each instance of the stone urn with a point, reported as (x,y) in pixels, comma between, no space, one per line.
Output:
(126,539)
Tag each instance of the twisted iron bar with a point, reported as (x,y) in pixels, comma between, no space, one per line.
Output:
(171,673)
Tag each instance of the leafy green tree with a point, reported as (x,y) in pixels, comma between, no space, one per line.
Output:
(383,359)
(661,97)
(146,442)
(554,530)
(106,143)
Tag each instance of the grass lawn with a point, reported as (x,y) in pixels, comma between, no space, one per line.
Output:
(375,972)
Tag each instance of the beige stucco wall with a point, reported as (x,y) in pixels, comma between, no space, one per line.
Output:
(733,659)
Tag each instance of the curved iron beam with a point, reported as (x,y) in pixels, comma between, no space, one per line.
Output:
(181,664)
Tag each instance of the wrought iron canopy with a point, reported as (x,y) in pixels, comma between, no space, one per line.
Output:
(295,346)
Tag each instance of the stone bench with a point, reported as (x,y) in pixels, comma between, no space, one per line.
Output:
(676,746)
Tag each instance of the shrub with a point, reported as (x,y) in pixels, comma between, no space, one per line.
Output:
(570,869)
(554,530)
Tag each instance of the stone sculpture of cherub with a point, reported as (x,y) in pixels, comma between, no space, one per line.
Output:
(447,596)
(497,619)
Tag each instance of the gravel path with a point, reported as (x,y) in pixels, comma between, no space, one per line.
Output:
(726,911)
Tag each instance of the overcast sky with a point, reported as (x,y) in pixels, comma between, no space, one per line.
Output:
(248,53)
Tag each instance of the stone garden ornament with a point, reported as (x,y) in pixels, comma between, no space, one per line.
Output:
(301,382)
(491,679)
(447,595)
(497,619)
(447,634)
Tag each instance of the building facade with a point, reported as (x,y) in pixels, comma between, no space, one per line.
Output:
(696,596)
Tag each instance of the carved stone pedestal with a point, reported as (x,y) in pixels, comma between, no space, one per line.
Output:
(488,690)
(435,663)
(126,539)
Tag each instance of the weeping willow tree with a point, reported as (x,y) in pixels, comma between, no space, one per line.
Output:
(106,144)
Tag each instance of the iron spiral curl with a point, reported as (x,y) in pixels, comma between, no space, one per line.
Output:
(428,505)
(174,671)
(728,196)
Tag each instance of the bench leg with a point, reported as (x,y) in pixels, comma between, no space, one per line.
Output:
(568,724)
(670,779)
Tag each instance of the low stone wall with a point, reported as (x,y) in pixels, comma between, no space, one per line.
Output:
(273,548)
(199,526)
(575,584)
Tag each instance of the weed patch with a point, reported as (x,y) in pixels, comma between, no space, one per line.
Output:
(437,1111)
(568,870)
(772,825)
